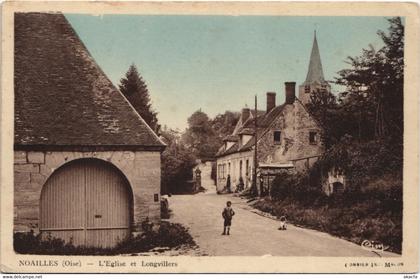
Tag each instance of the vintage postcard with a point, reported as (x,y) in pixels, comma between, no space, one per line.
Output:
(209,137)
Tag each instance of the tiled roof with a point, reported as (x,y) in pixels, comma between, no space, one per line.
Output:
(246,131)
(62,97)
(232,149)
(220,151)
(241,121)
(263,121)
(231,138)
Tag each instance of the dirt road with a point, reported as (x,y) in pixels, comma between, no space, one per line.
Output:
(252,234)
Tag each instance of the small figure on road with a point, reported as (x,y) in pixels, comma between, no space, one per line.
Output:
(227,216)
(283,223)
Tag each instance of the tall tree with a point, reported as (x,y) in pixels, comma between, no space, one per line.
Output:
(177,163)
(224,124)
(135,90)
(200,136)
(323,106)
(374,84)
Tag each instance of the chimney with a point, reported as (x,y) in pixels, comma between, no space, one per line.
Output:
(245,114)
(290,92)
(271,100)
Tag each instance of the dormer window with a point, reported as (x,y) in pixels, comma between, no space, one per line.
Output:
(277,137)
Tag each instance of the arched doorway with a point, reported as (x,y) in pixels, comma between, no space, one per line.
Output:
(87,201)
(338,188)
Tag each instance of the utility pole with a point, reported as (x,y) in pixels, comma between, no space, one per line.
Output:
(254,189)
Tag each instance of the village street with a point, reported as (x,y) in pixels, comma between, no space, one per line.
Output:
(252,234)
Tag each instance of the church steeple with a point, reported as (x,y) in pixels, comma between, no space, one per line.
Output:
(315,72)
(315,80)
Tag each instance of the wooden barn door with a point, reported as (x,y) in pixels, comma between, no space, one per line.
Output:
(87,201)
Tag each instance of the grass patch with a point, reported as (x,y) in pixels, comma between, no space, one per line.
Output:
(169,235)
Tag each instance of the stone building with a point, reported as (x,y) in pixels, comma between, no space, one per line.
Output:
(87,166)
(335,182)
(288,137)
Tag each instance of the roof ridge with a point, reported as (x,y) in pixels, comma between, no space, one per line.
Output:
(87,108)
(96,65)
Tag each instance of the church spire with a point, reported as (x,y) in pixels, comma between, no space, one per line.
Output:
(315,72)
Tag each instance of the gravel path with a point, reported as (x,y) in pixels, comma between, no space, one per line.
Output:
(252,234)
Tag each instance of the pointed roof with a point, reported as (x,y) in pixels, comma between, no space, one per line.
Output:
(241,122)
(315,73)
(62,97)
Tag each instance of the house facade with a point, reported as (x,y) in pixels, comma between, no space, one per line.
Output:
(86,165)
(288,137)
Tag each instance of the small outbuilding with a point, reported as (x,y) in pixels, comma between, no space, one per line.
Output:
(87,167)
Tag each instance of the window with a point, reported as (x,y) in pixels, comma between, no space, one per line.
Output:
(277,137)
(223,171)
(312,137)
(307,89)
(247,168)
(240,168)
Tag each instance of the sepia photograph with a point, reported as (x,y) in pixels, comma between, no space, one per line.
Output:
(156,135)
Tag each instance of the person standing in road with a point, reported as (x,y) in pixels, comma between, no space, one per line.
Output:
(227,215)
(228,184)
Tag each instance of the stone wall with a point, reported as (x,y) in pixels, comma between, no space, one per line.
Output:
(305,95)
(334,176)
(295,124)
(32,169)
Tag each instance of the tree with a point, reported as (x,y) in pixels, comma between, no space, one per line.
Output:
(177,164)
(369,110)
(224,124)
(374,85)
(200,137)
(323,106)
(135,90)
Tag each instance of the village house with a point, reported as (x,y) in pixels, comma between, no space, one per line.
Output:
(86,165)
(288,137)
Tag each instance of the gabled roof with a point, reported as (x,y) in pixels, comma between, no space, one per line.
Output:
(231,138)
(315,72)
(263,123)
(62,97)
(241,121)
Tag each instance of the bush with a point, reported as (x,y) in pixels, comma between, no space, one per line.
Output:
(362,162)
(295,186)
(169,235)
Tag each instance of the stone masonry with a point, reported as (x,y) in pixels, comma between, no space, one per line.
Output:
(295,124)
(33,168)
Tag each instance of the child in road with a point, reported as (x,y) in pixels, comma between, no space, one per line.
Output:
(283,223)
(227,216)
